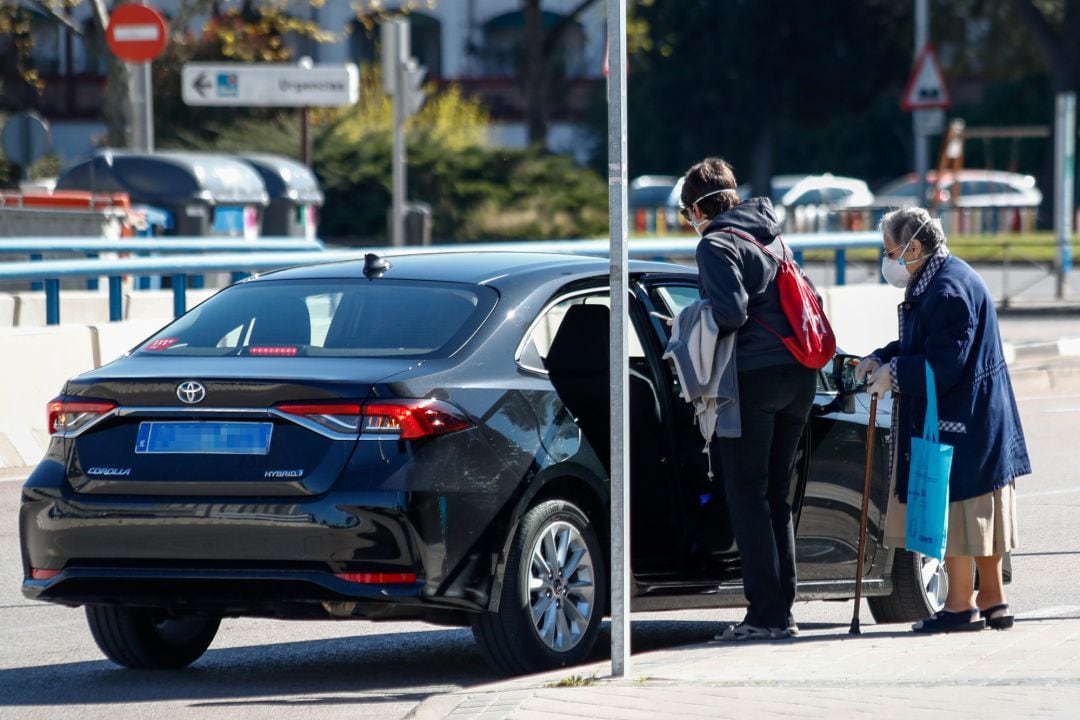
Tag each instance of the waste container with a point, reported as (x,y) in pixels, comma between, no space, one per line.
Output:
(205,193)
(294,193)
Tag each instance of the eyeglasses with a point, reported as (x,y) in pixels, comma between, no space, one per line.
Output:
(902,250)
(684,210)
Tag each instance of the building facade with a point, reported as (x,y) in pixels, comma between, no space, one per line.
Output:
(473,43)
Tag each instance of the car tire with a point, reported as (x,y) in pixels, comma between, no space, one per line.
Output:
(919,588)
(567,603)
(147,638)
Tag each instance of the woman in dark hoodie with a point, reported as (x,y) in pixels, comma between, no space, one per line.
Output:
(775,390)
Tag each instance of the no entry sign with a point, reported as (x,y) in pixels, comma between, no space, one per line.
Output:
(136,33)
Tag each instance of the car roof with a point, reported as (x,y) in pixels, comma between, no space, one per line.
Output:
(1019,179)
(482,268)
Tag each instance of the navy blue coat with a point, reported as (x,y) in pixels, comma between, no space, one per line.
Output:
(953,325)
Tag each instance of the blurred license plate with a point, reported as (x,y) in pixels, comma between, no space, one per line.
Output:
(222,438)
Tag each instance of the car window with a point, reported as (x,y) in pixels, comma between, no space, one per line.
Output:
(538,341)
(652,196)
(835,195)
(677,297)
(329,318)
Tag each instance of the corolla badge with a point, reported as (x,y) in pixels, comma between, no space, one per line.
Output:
(109,471)
(191,392)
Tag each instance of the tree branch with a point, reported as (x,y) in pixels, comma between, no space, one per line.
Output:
(187,11)
(1045,37)
(555,31)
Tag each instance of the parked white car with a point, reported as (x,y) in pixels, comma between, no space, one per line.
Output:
(967,188)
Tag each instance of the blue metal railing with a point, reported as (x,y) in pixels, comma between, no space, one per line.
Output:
(91,247)
(179,267)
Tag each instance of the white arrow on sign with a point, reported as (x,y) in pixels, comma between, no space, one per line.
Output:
(926,86)
(270,85)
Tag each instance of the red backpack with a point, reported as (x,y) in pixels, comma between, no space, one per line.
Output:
(813,342)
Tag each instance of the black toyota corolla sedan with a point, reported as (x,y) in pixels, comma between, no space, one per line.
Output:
(420,437)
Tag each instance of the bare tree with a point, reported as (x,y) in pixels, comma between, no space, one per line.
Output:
(537,69)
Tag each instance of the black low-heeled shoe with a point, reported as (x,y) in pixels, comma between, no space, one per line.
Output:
(1004,621)
(946,621)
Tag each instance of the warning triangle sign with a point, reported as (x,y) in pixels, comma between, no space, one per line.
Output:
(926,87)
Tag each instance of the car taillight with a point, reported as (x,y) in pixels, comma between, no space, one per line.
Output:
(398,419)
(272,351)
(377,578)
(336,417)
(413,418)
(68,416)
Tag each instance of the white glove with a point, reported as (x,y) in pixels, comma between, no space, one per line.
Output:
(881,381)
(866,366)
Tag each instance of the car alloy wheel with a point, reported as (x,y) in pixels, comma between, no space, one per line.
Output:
(935,582)
(561,587)
(553,594)
(919,588)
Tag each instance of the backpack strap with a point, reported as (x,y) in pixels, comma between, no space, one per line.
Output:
(747,236)
(779,263)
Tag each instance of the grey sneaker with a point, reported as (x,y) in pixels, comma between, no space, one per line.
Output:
(744,631)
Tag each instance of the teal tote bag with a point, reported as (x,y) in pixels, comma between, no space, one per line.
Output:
(928,483)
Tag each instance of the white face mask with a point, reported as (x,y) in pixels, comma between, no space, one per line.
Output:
(698,226)
(894,272)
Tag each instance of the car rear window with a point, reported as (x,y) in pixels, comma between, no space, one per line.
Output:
(329,318)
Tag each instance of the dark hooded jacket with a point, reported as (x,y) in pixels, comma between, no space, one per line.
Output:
(739,279)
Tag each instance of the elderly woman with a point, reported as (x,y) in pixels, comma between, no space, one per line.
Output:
(948,319)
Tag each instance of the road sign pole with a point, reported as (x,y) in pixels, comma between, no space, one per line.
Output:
(146,79)
(401,53)
(922,140)
(1064,174)
(619,347)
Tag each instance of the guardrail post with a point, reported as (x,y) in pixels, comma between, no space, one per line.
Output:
(91,282)
(841,266)
(116,299)
(52,301)
(179,294)
(35,284)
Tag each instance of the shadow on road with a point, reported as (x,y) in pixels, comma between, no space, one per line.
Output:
(387,667)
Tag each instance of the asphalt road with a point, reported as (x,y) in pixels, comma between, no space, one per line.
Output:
(50,667)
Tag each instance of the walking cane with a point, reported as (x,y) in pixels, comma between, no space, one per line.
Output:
(862,519)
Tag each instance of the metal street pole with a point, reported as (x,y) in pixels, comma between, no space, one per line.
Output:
(922,141)
(143,102)
(620,351)
(1064,174)
(398,180)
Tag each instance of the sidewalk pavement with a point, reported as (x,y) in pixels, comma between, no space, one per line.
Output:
(1030,671)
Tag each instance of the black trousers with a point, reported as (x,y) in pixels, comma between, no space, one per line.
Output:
(757,468)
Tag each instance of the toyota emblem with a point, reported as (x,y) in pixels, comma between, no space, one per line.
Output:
(191,392)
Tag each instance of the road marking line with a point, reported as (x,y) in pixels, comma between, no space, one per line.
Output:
(1049,612)
(1045,493)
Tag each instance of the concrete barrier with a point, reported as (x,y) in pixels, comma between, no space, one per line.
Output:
(8,305)
(863,316)
(37,362)
(157,304)
(112,340)
(77,307)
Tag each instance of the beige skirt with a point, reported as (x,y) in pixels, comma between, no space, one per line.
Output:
(978,527)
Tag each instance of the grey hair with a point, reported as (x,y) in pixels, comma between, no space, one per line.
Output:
(913,223)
